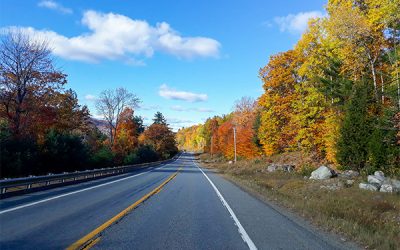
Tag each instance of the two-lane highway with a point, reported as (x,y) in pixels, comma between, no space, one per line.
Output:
(173,206)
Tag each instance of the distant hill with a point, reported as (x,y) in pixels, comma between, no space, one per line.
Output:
(100,124)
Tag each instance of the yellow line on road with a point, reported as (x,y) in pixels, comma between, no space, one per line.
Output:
(93,236)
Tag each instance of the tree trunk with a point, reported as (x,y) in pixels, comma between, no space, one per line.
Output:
(374,78)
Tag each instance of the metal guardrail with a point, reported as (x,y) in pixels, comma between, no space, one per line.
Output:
(22,184)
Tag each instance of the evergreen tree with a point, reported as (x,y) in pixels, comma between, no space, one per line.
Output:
(138,120)
(352,147)
(159,119)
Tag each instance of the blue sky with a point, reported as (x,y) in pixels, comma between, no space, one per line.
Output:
(188,59)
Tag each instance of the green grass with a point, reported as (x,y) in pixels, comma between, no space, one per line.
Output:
(371,219)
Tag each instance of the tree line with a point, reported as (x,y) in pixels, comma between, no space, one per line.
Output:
(43,129)
(335,96)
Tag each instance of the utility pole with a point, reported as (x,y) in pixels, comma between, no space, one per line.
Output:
(234,140)
(211,146)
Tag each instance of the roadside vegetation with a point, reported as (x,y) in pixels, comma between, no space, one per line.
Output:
(335,97)
(370,219)
(43,129)
(333,100)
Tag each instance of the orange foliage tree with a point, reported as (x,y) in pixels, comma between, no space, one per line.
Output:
(126,136)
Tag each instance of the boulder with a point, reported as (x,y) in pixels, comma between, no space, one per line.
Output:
(322,173)
(376,179)
(387,188)
(379,174)
(230,162)
(368,186)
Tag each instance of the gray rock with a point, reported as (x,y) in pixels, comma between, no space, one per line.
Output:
(349,183)
(379,173)
(284,168)
(272,168)
(368,186)
(387,188)
(350,174)
(376,179)
(396,184)
(332,186)
(322,173)
(288,168)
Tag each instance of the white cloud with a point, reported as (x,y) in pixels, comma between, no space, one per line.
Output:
(296,23)
(118,37)
(49,4)
(149,107)
(173,94)
(178,121)
(90,97)
(180,108)
(204,110)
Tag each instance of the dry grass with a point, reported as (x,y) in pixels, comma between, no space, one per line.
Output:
(371,219)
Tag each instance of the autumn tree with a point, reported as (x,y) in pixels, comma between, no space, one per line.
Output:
(244,116)
(111,103)
(279,80)
(161,138)
(27,76)
(126,137)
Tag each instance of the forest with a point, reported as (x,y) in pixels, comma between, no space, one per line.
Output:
(44,129)
(334,97)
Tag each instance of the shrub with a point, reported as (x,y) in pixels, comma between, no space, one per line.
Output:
(104,157)
(63,152)
(146,153)
(131,158)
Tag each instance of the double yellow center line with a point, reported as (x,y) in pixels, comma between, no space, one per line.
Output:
(91,238)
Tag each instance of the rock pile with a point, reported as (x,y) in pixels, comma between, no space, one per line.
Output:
(284,167)
(378,182)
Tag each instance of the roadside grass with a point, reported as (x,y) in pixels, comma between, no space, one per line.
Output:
(371,219)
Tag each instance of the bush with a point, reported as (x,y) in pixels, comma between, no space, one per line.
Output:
(146,153)
(19,157)
(132,158)
(102,158)
(63,152)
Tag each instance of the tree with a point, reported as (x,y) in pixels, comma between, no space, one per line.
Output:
(125,137)
(280,78)
(27,74)
(138,120)
(161,138)
(159,119)
(355,130)
(244,118)
(110,105)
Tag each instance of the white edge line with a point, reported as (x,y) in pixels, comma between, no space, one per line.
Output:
(78,191)
(242,231)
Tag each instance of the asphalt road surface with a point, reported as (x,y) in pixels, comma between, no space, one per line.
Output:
(172,206)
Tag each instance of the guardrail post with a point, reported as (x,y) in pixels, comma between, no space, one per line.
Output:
(3,190)
(29,186)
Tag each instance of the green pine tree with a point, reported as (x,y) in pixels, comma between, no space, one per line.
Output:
(352,146)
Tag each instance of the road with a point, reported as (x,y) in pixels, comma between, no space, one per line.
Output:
(184,207)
